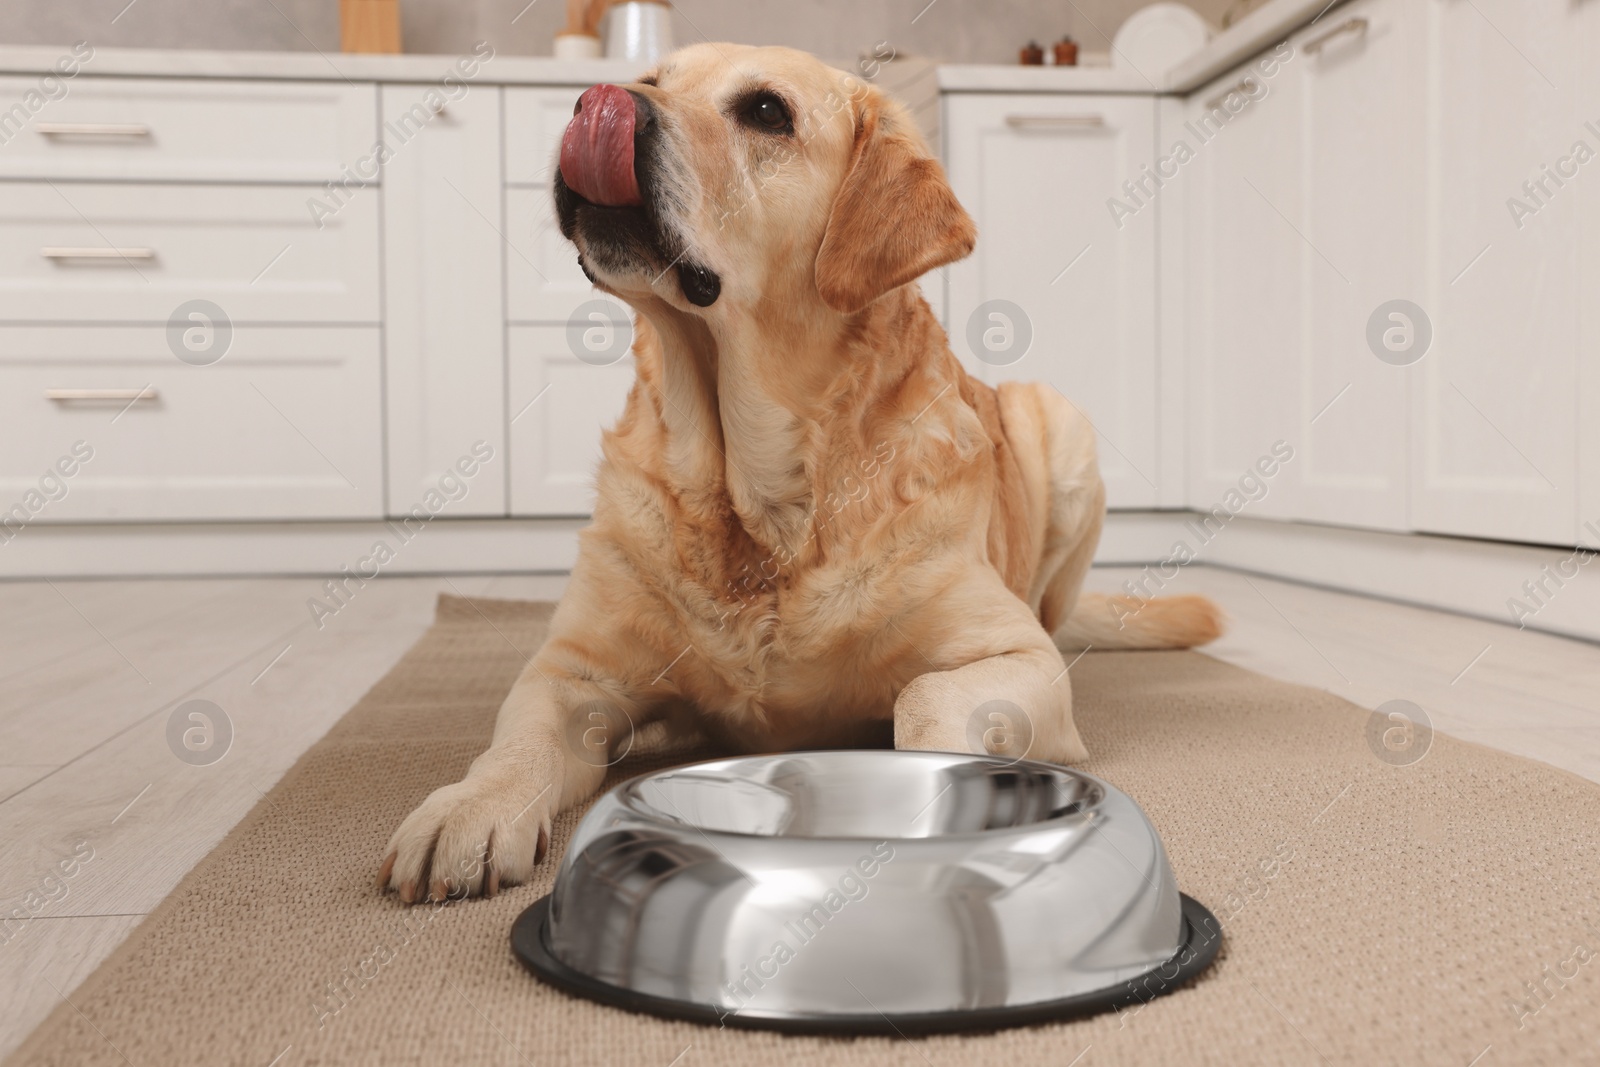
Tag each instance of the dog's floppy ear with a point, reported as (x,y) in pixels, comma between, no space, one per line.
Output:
(895,217)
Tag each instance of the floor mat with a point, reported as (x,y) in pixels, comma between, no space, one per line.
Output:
(1442,911)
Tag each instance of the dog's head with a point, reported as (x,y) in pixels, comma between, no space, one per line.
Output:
(734,175)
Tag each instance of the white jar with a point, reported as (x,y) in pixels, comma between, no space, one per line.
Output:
(577,46)
(639,29)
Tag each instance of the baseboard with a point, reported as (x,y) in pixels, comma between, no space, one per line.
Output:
(1557,591)
(1137,538)
(442,546)
(1471,577)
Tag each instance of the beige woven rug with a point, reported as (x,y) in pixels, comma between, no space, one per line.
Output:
(1444,912)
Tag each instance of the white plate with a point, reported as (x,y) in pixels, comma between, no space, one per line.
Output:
(1157,37)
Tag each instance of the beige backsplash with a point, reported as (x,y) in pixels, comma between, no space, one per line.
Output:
(965,31)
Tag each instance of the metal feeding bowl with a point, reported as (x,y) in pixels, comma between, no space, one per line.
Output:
(866,892)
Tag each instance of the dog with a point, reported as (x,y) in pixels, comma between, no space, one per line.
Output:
(813,528)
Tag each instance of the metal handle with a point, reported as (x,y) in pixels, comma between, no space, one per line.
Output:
(98,253)
(1244,85)
(125,396)
(1056,122)
(92,129)
(1357,25)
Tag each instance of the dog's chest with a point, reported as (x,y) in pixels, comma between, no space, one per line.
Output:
(788,645)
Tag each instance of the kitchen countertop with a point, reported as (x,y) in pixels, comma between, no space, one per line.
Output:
(1254,33)
(1015,78)
(320,66)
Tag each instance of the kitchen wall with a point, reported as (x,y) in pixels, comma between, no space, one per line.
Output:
(969,31)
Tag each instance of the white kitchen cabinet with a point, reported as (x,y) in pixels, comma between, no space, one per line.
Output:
(1495,408)
(1589,307)
(542,274)
(1302,208)
(1242,187)
(111,252)
(1382,157)
(559,403)
(444,297)
(284,424)
(159,129)
(544,282)
(535,121)
(1037,171)
(1359,89)
(559,406)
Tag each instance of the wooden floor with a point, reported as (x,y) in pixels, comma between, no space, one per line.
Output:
(93,671)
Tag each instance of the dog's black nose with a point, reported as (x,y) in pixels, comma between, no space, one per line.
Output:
(644,112)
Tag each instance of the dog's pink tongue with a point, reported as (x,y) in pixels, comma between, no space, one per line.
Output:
(597,149)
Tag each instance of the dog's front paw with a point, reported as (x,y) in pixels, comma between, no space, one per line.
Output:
(469,838)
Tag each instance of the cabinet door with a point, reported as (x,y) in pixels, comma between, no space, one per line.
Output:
(1589,283)
(1360,106)
(560,403)
(113,252)
(570,371)
(1243,184)
(1495,405)
(1055,265)
(185,130)
(249,422)
(444,296)
(544,282)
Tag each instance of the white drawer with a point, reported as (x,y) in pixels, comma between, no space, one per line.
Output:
(559,406)
(543,281)
(535,120)
(214,130)
(286,425)
(133,253)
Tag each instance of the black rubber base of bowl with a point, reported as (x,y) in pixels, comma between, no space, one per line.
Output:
(1202,939)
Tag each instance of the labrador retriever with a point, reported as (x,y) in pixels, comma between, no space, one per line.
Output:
(812,528)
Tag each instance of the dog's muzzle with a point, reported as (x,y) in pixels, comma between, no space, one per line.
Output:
(604,186)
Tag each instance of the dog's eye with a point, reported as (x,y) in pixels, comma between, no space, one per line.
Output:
(768,112)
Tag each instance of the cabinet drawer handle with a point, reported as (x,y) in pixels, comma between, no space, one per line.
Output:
(92,129)
(1357,26)
(98,253)
(123,396)
(1244,86)
(1055,122)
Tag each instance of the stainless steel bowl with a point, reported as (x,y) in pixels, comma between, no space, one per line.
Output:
(866,891)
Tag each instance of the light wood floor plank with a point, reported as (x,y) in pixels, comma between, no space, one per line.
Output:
(46,961)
